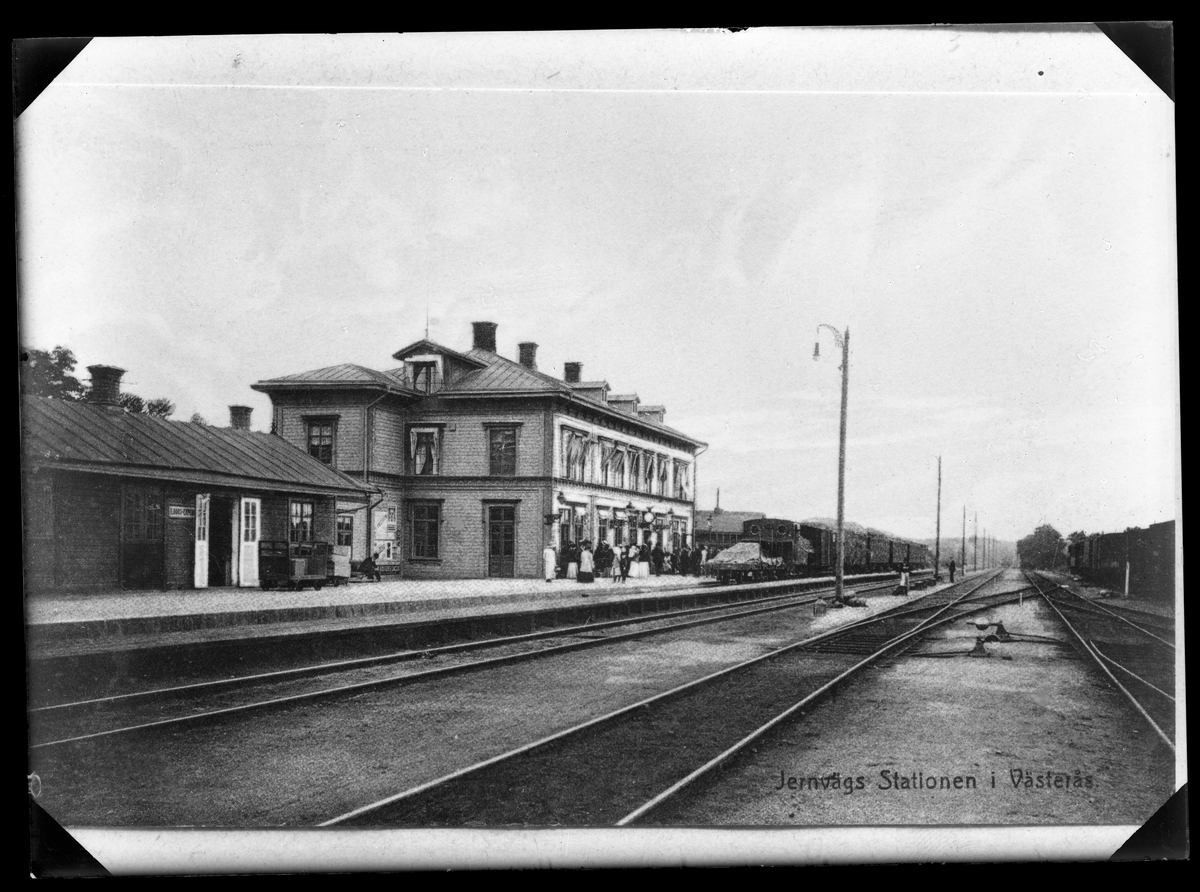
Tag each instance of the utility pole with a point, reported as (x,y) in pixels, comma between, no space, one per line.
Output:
(843,341)
(937,546)
(975,545)
(963,560)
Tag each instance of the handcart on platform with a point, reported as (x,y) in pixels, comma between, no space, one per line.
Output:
(293,565)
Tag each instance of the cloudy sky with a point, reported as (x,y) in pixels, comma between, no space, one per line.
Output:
(992,215)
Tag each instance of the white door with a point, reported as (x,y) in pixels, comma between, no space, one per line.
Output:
(248,547)
(200,577)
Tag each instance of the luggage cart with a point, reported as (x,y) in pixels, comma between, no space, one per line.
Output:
(293,565)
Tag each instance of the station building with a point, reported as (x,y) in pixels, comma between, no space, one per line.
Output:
(718,529)
(120,500)
(482,460)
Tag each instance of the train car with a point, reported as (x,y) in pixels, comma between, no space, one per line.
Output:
(780,540)
(879,549)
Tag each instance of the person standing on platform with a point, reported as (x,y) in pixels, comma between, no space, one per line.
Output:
(626,558)
(572,561)
(550,562)
(587,564)
(657,556)
(952,568)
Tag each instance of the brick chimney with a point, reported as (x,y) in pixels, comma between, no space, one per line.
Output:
(106,385)
(239,417)
(484,336)
(528,354)
(572,372)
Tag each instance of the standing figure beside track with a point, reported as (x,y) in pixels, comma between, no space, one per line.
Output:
(549,562)
(657,556)
(572,553)
(952,568)
(587,564)
(626,558)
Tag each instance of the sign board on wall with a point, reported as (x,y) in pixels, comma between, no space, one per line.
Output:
(181,512)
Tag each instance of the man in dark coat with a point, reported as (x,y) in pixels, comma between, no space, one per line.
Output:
(657,556)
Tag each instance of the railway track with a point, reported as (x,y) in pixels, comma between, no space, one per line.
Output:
(58,724)
(619,767)
(1137,660)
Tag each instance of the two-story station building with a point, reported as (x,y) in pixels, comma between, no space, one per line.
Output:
(482,460)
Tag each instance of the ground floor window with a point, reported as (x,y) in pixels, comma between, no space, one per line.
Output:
(301,526)
(143,515)
(345,529)
(426,521)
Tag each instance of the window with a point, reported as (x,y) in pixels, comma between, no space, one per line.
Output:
(616,469)
(575,448)
(426,520)
(250,519)
(320,440)
(681,481)
(664,472)
(647,473)
(345,529)
(423,376)
(502,451)
(301,526)
(143,515)
(425,448)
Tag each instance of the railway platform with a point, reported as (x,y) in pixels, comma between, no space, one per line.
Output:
(77,624)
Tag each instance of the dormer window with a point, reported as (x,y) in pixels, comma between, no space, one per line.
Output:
(424,375)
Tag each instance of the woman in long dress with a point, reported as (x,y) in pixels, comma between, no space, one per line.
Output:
(572,562)
(550,562)
(587,564)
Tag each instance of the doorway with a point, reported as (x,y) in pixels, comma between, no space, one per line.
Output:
(220,541)
(502,541)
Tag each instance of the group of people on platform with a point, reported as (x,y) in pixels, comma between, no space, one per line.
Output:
(583,563)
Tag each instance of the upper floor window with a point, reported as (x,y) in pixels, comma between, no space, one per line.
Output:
(575,448)
(664,475)
(300,527)
(425,450)
(502,451)
(635,470)
(682,490)
(424,374)
(320,439)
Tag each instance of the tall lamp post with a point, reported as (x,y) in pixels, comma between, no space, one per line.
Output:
(843,341)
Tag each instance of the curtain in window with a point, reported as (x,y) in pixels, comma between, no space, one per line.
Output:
(664,470)
(425,449)
(617,468)
(648,472)
(681,480)
(635,470)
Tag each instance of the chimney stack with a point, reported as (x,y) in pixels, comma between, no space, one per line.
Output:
(572,372)
(484,336)
(106,385)
(239,417)
(528,354)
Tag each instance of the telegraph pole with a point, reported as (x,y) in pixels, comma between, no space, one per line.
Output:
(963,561)
(975,545)
(937,546)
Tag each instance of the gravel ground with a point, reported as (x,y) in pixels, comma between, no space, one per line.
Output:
(1030,710)
(303,764)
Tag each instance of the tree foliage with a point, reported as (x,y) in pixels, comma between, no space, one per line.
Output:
(50,374)
(1041,549)
(197,418)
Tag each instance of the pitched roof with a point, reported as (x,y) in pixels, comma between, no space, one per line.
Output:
(86,437)
(347,374)
(427,346)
